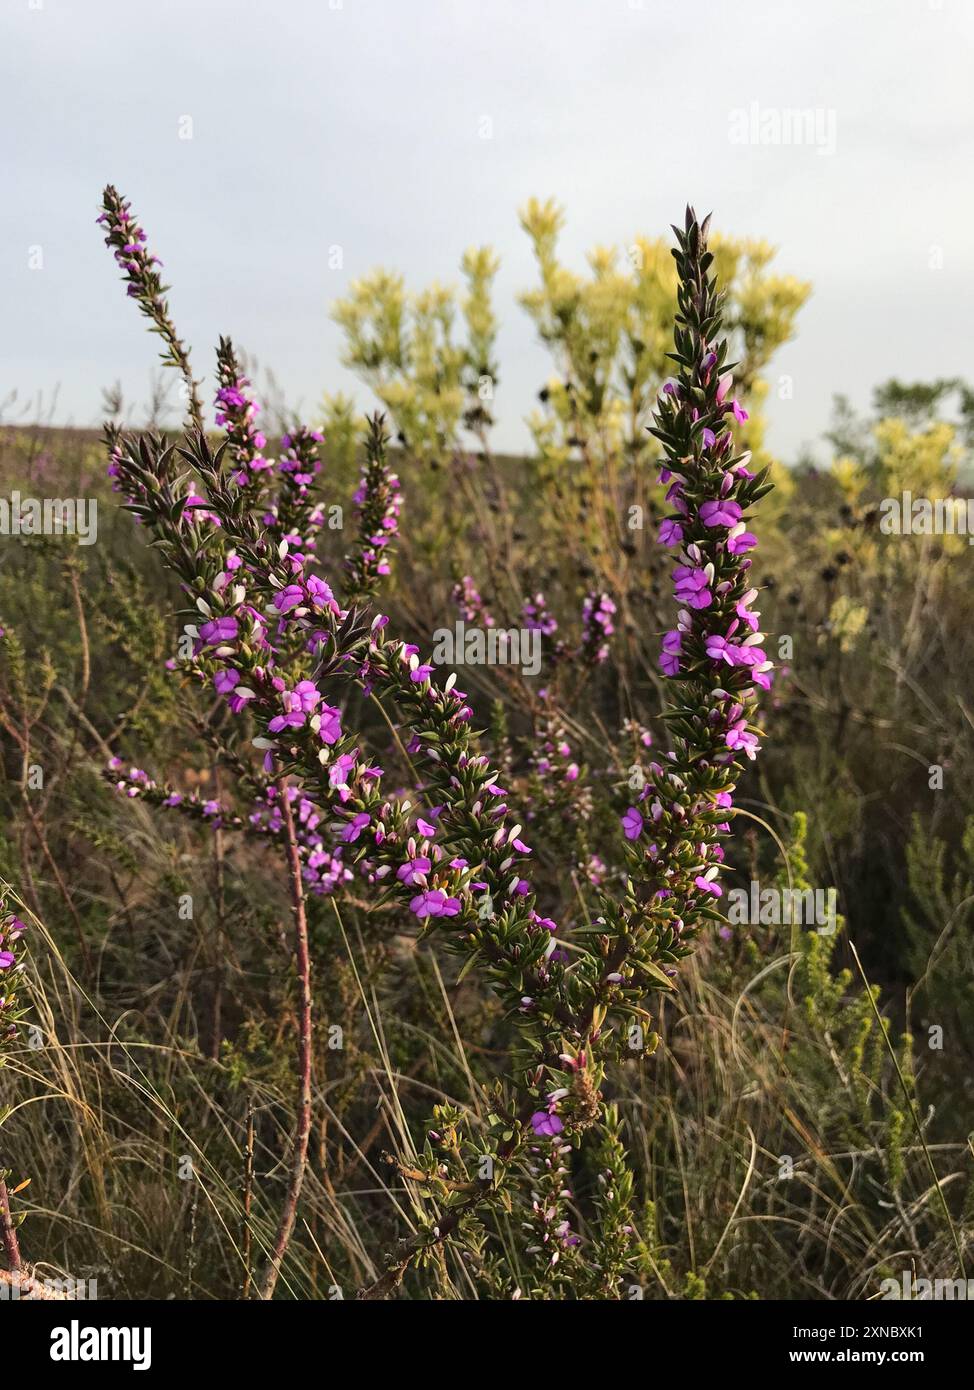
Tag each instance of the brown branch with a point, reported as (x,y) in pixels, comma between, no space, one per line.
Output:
(79,608)
(8,1232)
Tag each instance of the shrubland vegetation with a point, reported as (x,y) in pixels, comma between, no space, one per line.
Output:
(477,1027)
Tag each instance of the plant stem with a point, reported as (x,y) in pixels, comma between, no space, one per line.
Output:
(248,1192)
(302,1127)
(8,1232)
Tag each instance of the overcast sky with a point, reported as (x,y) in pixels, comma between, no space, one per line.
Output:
(360,123)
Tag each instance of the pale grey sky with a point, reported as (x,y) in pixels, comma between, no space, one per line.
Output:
(359,123)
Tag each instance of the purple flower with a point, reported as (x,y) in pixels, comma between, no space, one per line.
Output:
(719,649)
(745,614)
(219,630)
(305,696)
(691,587)
(720,513)
(669,657)
(225,681)
(546,1125)
(294,719)
(339,770)
(355,827)
(761,667)
(320,594)
(289,598)
(739,540)
(415,869)
(707,885)
(330,729)
(670,532)
(632,824)
(739,737)
(433,902)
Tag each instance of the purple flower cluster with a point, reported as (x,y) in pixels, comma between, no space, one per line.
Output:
(135,782)
(12,930)
(139,266)
(598,611)
(551,1237)
(128,241)
(715,649)
(535,616)
(236,412)
(470,604)
(552,758)
(299,461)
(322,865)
(715,604)
(379,500)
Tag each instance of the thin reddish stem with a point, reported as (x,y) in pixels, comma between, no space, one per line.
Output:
(302,1127)
(8,1232)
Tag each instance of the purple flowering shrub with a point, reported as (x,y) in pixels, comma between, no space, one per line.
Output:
(12,930)
(167,997)
(438,829)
